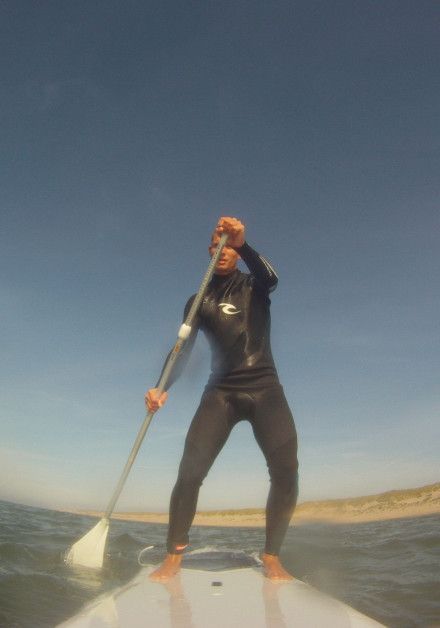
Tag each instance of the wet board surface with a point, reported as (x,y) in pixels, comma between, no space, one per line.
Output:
(203,598)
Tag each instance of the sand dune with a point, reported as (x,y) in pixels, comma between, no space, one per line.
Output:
(390,505)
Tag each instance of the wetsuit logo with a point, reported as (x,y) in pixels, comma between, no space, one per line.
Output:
(228,308)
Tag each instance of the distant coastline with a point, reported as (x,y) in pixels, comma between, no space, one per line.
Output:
(397,504)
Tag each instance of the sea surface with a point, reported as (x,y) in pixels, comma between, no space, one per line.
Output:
(388,570)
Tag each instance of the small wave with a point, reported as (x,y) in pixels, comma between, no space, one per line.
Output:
(26,558)
(15,552)
(26,598)
(127,541)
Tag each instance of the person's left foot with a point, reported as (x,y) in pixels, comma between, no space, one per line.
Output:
(273,568)
(168,569)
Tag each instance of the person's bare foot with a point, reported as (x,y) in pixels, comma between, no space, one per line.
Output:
(273,569)
(168,569)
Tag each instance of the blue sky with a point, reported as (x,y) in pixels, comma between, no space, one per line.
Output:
(126,130)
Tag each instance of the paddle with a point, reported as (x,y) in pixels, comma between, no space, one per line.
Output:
(89,550)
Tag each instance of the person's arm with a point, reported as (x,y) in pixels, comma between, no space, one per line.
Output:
(152,399)
(260,268)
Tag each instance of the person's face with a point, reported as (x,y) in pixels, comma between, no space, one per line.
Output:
(228,259)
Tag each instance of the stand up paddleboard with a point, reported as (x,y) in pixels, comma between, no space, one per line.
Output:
(217,597)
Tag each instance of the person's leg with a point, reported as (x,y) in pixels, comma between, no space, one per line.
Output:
(207,434)
(275,432)
(281,502)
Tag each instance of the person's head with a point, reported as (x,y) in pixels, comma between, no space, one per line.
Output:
(229,257)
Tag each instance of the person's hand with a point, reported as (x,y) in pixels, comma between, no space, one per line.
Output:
(234,228)
(153,400)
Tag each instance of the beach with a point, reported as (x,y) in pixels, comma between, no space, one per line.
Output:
(397,504)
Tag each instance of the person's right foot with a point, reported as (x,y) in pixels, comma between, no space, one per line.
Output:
(273,569)
(168,569)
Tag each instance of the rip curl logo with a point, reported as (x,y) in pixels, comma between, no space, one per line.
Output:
(229,309)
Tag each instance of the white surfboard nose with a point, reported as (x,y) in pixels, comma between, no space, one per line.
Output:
(232,598)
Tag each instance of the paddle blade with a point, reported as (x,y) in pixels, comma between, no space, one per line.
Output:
(89,550)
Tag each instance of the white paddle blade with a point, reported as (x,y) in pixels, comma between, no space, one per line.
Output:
(89,550)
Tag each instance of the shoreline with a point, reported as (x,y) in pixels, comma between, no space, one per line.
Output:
(258,521)
(409,503)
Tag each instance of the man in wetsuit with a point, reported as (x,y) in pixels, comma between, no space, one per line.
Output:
(244,384)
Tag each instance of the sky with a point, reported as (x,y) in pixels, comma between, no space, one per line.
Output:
(127,129)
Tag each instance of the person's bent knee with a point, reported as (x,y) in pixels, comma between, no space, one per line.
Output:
(285,479)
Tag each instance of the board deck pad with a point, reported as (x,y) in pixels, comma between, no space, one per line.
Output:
(205,594)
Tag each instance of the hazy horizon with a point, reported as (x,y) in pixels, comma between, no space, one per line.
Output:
(226,509)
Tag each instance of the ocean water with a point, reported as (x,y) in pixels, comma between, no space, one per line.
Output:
(388,570)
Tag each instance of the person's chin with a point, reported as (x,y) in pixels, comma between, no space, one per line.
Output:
(223,270)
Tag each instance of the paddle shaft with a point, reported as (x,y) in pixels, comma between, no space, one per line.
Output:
(184,332)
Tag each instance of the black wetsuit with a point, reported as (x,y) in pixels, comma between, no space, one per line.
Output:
(235,318)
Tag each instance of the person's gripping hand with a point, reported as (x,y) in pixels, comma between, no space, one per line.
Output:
(234,228)
(153,400)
